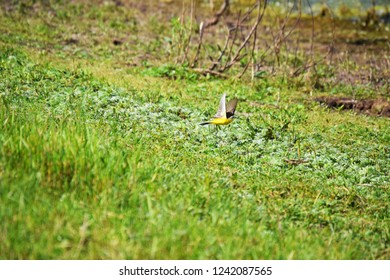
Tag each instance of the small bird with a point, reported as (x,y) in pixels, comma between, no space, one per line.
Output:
(225,112)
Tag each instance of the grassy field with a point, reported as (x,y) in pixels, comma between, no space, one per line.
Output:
(102,155)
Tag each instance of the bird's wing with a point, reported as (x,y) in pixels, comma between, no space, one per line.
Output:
(222,108)
(231,107)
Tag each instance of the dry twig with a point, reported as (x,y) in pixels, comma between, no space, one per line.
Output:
(205,24)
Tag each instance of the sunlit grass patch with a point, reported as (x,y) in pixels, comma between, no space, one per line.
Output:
(91,169)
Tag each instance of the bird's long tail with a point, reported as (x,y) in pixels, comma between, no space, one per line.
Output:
(204,123)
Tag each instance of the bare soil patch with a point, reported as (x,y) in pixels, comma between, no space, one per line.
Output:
(372,107)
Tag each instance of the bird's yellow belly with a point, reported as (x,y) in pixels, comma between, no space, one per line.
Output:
(221,121)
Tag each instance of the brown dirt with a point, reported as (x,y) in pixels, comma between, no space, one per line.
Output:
(372,107)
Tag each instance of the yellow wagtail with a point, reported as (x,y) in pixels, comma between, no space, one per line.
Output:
(225,112)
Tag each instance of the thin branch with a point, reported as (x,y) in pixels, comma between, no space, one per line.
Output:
(195,60)
(205,24)
(252,55)
(190,33)
(233,39)
(215,19)
(222,52)
(254,27)
(328,54)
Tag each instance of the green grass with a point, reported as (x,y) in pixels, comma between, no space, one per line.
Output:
(103,164)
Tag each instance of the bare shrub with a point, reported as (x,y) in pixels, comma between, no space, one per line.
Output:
(263,39)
